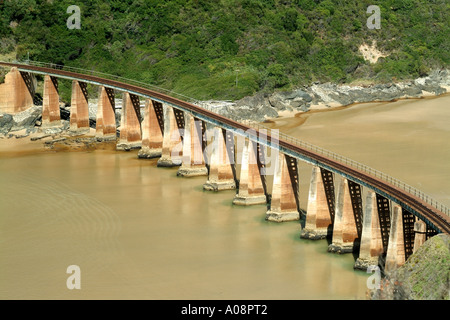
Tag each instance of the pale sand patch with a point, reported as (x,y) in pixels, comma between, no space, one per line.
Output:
(371,53)
(12,147)
(325,106)
(427,94)
(287,113)
(447,88)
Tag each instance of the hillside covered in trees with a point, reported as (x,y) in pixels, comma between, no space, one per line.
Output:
(228,49)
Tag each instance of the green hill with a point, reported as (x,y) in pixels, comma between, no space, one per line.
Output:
(228,49)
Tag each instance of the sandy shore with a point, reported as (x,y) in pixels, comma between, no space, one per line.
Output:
(20,144)
(291,119)
(11,147)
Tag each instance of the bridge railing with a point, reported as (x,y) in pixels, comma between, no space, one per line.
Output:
(110,77)
(356,165)
(282,136)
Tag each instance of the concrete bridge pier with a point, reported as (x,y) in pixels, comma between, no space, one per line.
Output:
(284,202)
(347,226)
(371,241)
(193,163)
(320,210)
(106,115)
(395,256)
(222,175)
(172,148)
(51,115)
(79,108)
(251,184)
(152,130)
(401,238)
(420,230)
(17,92)
(130,124)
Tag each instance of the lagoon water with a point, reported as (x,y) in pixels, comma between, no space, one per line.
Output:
(140,232)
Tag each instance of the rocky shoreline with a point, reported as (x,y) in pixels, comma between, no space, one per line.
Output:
(261,107)
(257,108)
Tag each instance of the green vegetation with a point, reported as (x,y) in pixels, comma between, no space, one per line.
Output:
(424,276)
(227,49)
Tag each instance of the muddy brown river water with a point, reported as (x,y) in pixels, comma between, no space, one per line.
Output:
(140,232)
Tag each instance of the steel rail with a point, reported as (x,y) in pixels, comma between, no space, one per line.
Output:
(422,205)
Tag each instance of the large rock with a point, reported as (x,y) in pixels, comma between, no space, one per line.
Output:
(254,108)
(278,102)
(26,119)
(250,109)
(298,95)
(23,120)
(296,100)
(6,123)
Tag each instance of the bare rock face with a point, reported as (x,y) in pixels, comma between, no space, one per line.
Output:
(6,123)
(253,108)
(256,106)
(26,119)
(296,100)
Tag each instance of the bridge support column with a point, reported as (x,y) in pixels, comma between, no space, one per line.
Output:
(284,202)
(193,162)
(371,241)
(395,256)
(106,117)
(17,92)
(221,168)
(320,210)
(79,108)
(251,185)
(51,115)
(346,229)
(172,149)
(130,126)
(420,230)
(152,130)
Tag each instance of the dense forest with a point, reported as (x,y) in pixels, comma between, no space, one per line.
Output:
(228,49)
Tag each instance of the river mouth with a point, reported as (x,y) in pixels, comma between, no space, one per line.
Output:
(140,232)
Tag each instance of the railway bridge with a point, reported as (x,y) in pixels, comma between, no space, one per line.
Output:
(391,222)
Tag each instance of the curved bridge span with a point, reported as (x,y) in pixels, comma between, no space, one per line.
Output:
(411,204)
